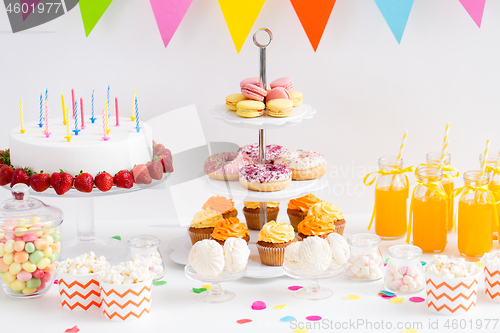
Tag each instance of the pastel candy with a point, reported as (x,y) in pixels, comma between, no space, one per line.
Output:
(21,257)
(3,267)
(17,285)
(21,232)
(42,264)
(9,236)
(8,277)
(29,266)
(50,238)
(28,291)
(15,268)
(55,247)
(36,256)
(30,247)
(29,237)
(19,245)
(47,252)
(41,244)
(2,249)
(8,258)
(9,246)
(52,267)
(39,273)
(46,277)
(23,276)
(33,283)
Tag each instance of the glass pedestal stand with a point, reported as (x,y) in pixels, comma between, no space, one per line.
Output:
(313,291)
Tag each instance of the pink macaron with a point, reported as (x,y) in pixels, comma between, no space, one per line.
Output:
(284,82)
(250,80)
(276,93)
(254,92)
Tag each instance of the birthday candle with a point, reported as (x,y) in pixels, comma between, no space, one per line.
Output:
(41,111)
(108,99)
(104,121)
(137,128)
(64,110)
(76,130)
(46,107)
(81,111)
(21,116)
(73,102)
(47,133)
(93,113)
(106,115)
(66,120)
(132,118)
(116,111)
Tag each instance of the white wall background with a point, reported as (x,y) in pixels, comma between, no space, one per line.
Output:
(367,89)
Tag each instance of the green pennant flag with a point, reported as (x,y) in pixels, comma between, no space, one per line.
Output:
(91,11)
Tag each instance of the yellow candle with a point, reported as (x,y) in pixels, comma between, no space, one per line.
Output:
(106,116)
(21,116)
(66,121)
(132,117)
(63,109)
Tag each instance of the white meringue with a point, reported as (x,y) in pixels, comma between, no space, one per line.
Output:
(315,254)
(340,250)
(292,256)
(236,253)
(207,258)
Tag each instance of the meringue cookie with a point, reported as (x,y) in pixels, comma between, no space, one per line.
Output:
(315,254)
(236,253)
(292,256)
(340,250)
(207,258)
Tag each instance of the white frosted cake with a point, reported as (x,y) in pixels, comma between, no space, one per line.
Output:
(86,151)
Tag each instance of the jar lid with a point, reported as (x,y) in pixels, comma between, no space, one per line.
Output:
(363,240)
(23,211)
(143,242)
(404,251)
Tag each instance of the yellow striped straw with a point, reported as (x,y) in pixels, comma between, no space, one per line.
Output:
(402,146)
(485,158)
(132,117)
(445,146)
(21,117)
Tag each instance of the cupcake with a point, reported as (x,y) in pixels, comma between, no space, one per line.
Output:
(230,227)
(222,205)
(203,224)
(313,225)
(324,208)
(273,240)
(252,213)
(298,208)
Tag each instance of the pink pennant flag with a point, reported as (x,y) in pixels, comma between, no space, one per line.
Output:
(168,15)
(31,5)
(475,8)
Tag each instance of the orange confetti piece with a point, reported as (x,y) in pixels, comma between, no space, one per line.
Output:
(353,297)
(281,306)
(397,300)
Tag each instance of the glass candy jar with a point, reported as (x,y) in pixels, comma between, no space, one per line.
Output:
(365,262)
(30,244)
(146,248)
(404,272)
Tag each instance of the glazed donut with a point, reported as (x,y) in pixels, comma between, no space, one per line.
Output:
(305,164)
(265,177)
(228,162)
(272,151)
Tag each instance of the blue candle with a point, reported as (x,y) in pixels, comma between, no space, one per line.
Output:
(108,101)
(93,114)
(40,124)
(137,128)
(76,130)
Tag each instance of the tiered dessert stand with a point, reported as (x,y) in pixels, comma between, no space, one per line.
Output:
(297,188)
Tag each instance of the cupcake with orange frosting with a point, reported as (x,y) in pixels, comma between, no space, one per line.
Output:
(313,225)
(325,209)
(231,227)
(273,240)
(203,224)
(298,208)
(222,205)
(251,210)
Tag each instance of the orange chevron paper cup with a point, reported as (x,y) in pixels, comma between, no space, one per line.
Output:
(122,302)
(492,282)
(451,296)
(79,292)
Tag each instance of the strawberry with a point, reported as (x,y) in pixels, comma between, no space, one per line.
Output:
(103,181)
(39,182)
(163,151)
(141,174)
(6,172)
(21,175)
(61,182)
(124,179)
(5,157)
(158,148)
(84,182)
(155,168)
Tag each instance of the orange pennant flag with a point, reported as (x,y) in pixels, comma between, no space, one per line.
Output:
(240,15)
(313,16)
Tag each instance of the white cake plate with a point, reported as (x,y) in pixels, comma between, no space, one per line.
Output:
(238,191)
(301,112)
(255,269)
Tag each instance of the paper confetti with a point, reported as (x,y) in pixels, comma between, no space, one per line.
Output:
(159,283)
(410,330)
(281,306)
(293,288)
(73,329)
(387,293)
(423,263)
(207,286)
(287,319)
(416,299)
(479,264)
(56,281)
(386,261)
(353,297)
(117,237)
(258,305)
(397,300)
(199,290)
(300,330)
(244,321)
(387,297)
(314,318)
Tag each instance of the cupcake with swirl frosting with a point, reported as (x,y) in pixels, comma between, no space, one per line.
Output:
(222,205)
(251,210)
(273,240)
(298,208)
(203,224)
(330,211)
(313,225)
(231,227)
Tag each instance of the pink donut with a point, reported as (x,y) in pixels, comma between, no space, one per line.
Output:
(265,177)
(228,162)
(272,151)
(305,164)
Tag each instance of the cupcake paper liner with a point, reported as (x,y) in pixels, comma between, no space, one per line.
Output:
(196,237)
(271,256)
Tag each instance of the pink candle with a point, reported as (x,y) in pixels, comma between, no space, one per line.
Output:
(105,137)
(116,111)
(81,111)
(73,102)
(47,134)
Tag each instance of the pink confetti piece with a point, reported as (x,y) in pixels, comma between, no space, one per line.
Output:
(388,297)
(73,329)
(56,281)
(314,318)
(417,299)
(258,305)
(244,321)
(293,288)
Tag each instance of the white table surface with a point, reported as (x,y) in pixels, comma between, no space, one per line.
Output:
(176,308)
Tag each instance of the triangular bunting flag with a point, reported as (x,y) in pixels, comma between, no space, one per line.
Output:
(396,13)
(313,16)
(168,15)
(475,8)
(92,11)
(31,4)
(240,15)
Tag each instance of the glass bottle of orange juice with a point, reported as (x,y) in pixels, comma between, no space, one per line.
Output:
(391,194)
(449,175)
(475,214)
(429,209)
(493,186)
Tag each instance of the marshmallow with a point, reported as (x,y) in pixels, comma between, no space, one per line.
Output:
(365,266)
(403,278)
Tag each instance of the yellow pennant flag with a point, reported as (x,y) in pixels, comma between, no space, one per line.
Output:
(240,15)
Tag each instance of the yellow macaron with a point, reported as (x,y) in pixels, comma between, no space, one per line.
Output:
(250,109)
(233,99)
(280,107)
(296,98)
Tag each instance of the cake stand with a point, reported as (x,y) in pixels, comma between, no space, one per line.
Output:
(313,291)
(86,240)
